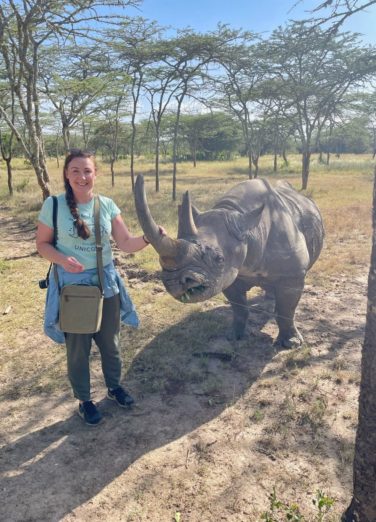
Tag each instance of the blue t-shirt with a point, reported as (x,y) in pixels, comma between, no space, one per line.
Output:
(68,242)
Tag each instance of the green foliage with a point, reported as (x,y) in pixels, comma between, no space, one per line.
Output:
(353,136)
(323,504)
(209,135)
(280,511)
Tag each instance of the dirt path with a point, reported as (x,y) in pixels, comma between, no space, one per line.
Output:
(203,449)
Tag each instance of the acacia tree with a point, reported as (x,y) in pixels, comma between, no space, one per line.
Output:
(209,135)
(337,11)
(25,28)
(112,114)
(313,71)
(6,147)
(161,84)
(366,107)
(7,135)
(244,73)
(73,79)
(191,54)
(133,49)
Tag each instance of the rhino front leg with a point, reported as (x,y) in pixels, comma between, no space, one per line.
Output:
(237,296)
(287,295)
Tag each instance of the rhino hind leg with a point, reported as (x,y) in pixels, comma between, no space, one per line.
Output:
(237,297)
(287,295)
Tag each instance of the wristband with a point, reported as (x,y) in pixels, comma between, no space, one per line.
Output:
(146,241)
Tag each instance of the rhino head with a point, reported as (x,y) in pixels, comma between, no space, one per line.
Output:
(208,252)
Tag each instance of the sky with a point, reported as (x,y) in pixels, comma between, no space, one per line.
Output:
(260,16)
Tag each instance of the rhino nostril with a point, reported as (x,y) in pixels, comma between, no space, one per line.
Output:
(188,281)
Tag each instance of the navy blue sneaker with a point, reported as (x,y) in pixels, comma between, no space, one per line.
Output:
(90,413)
(121,396)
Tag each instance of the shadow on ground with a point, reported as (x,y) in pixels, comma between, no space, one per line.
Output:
(180,382)
(50,471)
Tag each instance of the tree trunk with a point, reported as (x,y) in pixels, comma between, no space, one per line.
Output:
(250,168)
(133,138)
(112,161)
(327,158)
(157,162)
(175,142)
(135,96)
(66,138)
(285,157)
(306,158)
(363,504)
(41,174)
(275,163)
(57,152)
(256,165)
(10,178)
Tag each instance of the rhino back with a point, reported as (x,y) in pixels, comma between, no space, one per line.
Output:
(280,201)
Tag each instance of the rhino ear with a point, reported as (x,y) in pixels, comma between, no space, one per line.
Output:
(239,224)
(195,213)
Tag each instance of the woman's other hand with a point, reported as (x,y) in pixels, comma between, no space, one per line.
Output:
(70,264)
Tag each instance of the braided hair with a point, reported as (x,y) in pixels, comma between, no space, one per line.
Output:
(81,227)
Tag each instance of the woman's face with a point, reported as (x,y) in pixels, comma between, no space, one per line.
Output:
(80,174)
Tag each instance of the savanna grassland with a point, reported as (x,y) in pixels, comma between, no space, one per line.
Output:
(253,435)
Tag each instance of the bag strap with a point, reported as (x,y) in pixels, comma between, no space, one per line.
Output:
(54,218)
(98,242)
(54,222)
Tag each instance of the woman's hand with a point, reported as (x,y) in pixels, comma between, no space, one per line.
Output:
(44,240)
(70,264)
(162,232)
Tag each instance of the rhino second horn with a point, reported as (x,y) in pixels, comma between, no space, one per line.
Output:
(164,245)
(187,225)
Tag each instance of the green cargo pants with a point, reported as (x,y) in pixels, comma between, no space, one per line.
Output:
(107,340)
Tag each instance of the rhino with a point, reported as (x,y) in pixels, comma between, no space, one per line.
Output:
(255,235)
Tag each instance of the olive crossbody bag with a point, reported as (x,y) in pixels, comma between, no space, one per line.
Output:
(81,305)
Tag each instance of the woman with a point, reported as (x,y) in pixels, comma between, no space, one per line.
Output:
(74,255)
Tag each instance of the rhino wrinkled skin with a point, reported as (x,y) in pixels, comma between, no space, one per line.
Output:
(255,235)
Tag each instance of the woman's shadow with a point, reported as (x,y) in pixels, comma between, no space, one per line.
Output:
(185,377)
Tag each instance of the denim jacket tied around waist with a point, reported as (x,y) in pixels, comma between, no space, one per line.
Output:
(113,284)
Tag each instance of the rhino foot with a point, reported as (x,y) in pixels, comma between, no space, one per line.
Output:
(288,342)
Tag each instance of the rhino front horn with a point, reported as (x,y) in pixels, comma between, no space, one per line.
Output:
(164,245)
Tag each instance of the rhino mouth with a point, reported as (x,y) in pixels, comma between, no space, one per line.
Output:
(187,286)
(193,293)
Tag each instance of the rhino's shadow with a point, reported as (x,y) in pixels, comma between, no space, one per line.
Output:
(177,390)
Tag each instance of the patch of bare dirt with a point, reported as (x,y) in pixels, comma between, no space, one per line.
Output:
(196,450)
